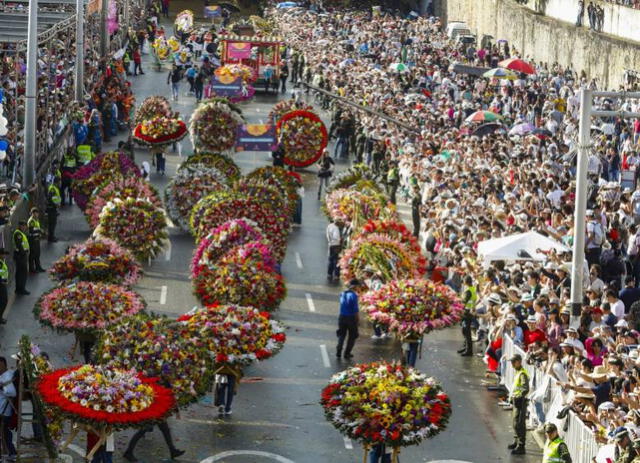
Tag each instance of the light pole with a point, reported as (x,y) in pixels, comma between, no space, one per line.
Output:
(79,71)
(104,31)
(31,95)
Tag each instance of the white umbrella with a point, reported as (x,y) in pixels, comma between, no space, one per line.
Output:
(522,246)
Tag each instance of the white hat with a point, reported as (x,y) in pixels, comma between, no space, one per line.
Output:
(622,324)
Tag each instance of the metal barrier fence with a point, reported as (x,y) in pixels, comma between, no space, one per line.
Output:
(549,398)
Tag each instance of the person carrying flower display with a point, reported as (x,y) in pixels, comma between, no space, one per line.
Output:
(227,380)
(348,320)
(163,426)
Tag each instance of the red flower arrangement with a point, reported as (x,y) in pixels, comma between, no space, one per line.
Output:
(282,179)
(153,106)
(266,193)
(286,106)
(304,137)
(159,131)
(398,231)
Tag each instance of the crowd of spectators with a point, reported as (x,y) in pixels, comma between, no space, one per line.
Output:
(469,186)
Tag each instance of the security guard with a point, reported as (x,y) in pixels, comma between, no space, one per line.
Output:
(35,233)
(85,155)
(393,180)
(21,257)
(4,280)
(519,401)
(54,199)
(69,164)
(555,449)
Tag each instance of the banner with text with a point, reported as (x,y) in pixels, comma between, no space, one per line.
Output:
(256,137)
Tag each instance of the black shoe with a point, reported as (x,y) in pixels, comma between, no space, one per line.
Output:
(3,321)
(460,351)
(338,354)
(53,240)
(23,293)
(512,446)
(348,356)
(518,451)
(466,354)
(175,453)
(129,456)
(40,270)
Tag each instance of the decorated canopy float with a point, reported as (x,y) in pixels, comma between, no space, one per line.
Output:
(256,52)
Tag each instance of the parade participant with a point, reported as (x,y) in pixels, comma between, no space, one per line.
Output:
(519,402)
(173,79)
(166,433)
(555,450)
(227,380)
(380,453)
(54,199)
(69,163)
(326,171)
(4,280)
(348,320)
(7,393)
(411,345)
(21,257)
(35,233)
(334,241)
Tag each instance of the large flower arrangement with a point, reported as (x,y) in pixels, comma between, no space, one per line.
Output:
(385,403)
(106,397)
(219,207)
(281,178)
(132,187)
(412,308)
(100,260)
(86,306)
(189,186)
(234,71)
(396,230)
(153,106)
(235,335)
(350,177)
(159,131)
(222,239)
(135,224)
(103,169)
(157,347)
(243,276)
(222,162)
(355,208)
(303,136)
(268,194)
(387,256)
(286,106)
(214,125)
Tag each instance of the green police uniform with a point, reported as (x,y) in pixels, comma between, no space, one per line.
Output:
(519,400)
(21,256)
(4,279)
(54,199)
(556,451)
(35,233)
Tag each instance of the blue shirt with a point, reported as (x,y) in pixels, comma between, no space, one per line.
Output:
(348,303)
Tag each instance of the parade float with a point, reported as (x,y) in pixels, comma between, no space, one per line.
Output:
(354,208)
(303,136)
(214,125)
(221,162)
(151,107)
(159,131)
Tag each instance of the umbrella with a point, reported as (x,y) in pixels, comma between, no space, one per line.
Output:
(486,129)
(500,73)
(522,129)
(398,67)
(483,116)
(516,64)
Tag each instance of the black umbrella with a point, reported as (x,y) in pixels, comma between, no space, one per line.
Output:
(486,129)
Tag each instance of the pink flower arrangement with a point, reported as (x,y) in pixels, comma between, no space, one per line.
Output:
(354,208)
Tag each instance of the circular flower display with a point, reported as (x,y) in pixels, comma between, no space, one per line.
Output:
(157,347)
(387,256)
(286,106)
(86,306)
(219,207)
(132,187)
(100,260)
(385,403)
(151,107)
(396,230)
(189,186)
(105,396)
(412,308)
(243,276)
(266,193)
(102,170)
(214,125)
(303,136)
(136,224)
(222,162)
(236,335)
(159,131)
(355,208)
(351,177)
(280,178)
(222,239)
(234,71)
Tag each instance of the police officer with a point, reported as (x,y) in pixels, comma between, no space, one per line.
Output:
(54,199)
(519,401)
(4,280)
(35,233)
(69,164)
(21,257)
(393,180)
(85,155)
(555,450)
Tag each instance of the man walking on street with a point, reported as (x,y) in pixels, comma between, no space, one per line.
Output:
(21,256)
(555,450)
(348,320)
(519,402)
(334,241)
(173,79)
(35,233)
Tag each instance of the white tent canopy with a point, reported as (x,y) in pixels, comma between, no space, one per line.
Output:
(522,246)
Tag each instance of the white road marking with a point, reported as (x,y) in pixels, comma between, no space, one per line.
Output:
(325,355)
(76,449)
(163,295)
(347,443)
(312,306)
(254,453)
(298,260)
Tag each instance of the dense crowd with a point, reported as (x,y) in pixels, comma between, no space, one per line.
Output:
(466,187)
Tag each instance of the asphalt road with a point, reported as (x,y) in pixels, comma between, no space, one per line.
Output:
(276,416)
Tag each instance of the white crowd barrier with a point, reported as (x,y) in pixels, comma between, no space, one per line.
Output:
(545,393)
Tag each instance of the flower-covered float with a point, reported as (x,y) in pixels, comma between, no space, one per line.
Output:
(385,403)
(353,176)
(246,275)
(132,187)
(100,260)
(287,182)
(222,162)
(86,307)
(159,131)
(214,125)
(286,106)
(158,347)
(270,195)
(235,335)
(396,230)
(189,186)
(135,224)
(303,136)
(219,207)
(355,208)
(151,107)
(234,71)
(103,169)
(412,308)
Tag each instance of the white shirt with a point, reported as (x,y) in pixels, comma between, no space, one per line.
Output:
(7,392)
(617,308)
(333,235)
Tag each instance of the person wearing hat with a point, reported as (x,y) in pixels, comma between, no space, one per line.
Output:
(348,320)
(624,446)
(555,449)
(519,394)
(21,257)
(35,232)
